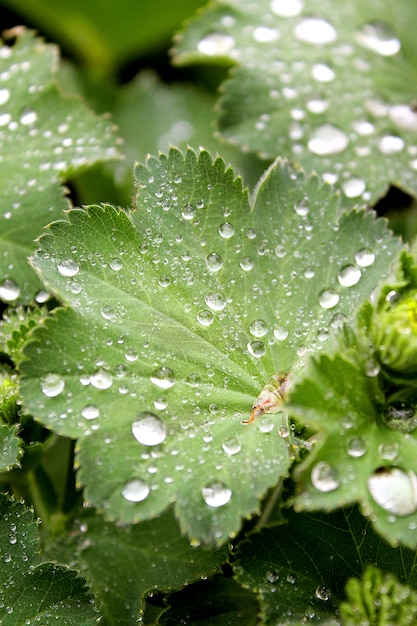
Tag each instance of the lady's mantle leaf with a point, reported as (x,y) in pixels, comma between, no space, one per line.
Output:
(30,593)
(9,447)
(332,89)
(42,136)
(180,312)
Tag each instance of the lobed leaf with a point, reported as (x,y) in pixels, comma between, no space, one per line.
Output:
(330,89)
(9,447)
(177,315)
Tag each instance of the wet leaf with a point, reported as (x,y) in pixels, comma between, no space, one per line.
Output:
(110,556)
(299,569)
(331,89)
(43,136)
(180,313)
(9,447)
(31,593)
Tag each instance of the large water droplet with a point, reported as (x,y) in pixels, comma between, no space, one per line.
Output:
(322,73)
(9,291)
(68,267)
(135,490)
(349,276)
(356,447)
(216,44)
(258,328)
(315,30)
(205,318)
(328,299)
(378,36)
(216,494)
(214,262)
(246,263)
(322,593)
(280,333)
(101,379)
(256,348)
(226,230)
(390,144)
(231,446)
(394,490)
(163,377)
(286,8)
(327,139)
(4,96)
(116,264)
(400,416)
(90,412)
(149,429)
(28,118)
(52,385)
(404,116)
(364,257)
(324,477)
(189,212)
(354,187)
(263,34)
(215,301)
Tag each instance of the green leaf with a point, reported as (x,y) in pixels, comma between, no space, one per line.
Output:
(359,458)
(181,312)
(43,136)
(110,556)
(332,89)
(299,569)
(30,593)
(15,326)
(9,447)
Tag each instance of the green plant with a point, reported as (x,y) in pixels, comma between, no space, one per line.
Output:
(208,396)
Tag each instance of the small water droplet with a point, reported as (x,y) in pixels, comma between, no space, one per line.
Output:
(404,116)
(258,328)
(232,446)
(68,267)
(263,34)
(163,377)
(52,385)
(101,379)
(349,276)
(189,212)
(280,333)
(317,105)
(322,593)
(214,262)
(246,264)
(116,264)
(9,290)
(378,37)
(356,447)
(286,8)
(315,30)
(328,299)
(4,96)
(324,477)
(327,139)
(7,558)
(322,73)
(108,312)
(226,230)
(149,429)
(216,494)
(215,301)
(28,118)
(205,318)
(280,251)
(131,355)
(388,451)
(354,187)
(394,490)
(216,44)
(390,144)
(164,281)
(256,348)
(400,416)
(364,257)
(135,491)
(90,412)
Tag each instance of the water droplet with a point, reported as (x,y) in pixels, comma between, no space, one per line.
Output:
(101,379)
(108,312)
(327,139)
(131,356)
(205,318)
(364,257)
(315,30)
(317,105)
(215,301)
(7,558)
(263,34)
(164,281)
(149,429)
(246,264)
(328,299)
(372,368)
(400,416)
(286,8)
(390,144)
(68,267)
(404,116)
(258,328)
(356,447)
(280,333)
(256,348)
(280,251)
(349,276)
(163,377)
(52,385)
(309,272)
(322,73)
(116,264)
(28,118)
(216,494)
(90,412)
(354,187)
(9,291)
(189,212)
(226,230)
(378,36)
(272,577)
(4,96)
(216,44)
(135,490)
(214,262)
(394,490)
(322,593)
(324,477)
(232,446)
(388,451)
